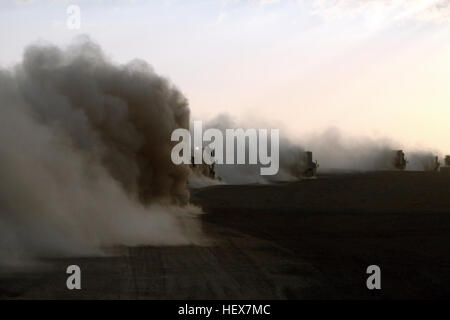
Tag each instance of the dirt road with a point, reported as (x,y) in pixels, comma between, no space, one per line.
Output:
(309,239)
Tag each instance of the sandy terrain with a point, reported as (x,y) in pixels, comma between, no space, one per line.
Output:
(309,239)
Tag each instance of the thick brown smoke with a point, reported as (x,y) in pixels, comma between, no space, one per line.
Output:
(85,156)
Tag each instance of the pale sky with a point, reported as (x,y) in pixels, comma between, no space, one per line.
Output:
(378,68)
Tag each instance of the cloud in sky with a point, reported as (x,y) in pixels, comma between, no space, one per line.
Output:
(375,13)
(437,11)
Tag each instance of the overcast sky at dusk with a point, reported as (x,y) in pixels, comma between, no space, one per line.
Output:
(372,68)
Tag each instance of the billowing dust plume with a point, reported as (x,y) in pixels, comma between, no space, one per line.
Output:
(85,154)
(423,161)
(292,160)
(335,152)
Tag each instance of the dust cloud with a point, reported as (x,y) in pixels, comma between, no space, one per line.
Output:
(85,155)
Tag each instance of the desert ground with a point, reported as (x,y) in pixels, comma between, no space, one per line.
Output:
(311,239)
